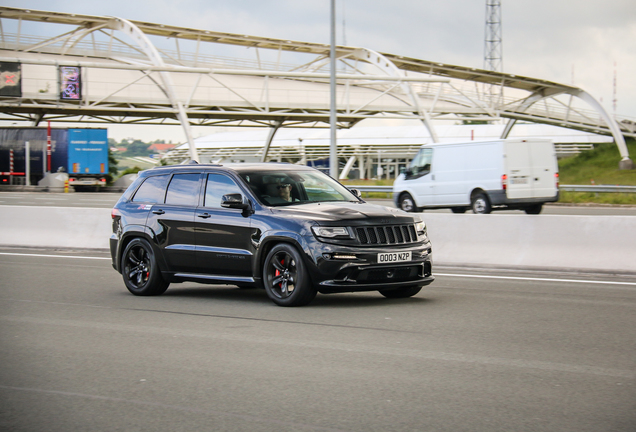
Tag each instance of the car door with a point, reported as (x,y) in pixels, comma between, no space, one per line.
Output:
(223,237)
(173,221)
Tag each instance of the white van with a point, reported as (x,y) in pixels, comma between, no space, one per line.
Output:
(482,175)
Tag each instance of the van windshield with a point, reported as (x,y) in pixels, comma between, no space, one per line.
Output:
(421,163)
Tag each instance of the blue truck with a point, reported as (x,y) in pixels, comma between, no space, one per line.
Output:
(82,153)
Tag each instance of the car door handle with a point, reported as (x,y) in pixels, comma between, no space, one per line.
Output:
(204,215)
(159,212)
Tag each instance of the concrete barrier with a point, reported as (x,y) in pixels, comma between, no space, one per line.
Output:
(606,243)
(63,227)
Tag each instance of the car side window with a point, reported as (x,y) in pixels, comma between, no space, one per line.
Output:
(152,190)
(216,186)
(183,189)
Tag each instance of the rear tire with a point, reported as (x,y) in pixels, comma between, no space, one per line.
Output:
(140,271)
(401,292)
(285,278)
(534,209)
(407,203)
(480,204)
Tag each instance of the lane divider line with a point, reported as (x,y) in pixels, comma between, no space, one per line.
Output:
(535,279)
(55,256)
(435,274)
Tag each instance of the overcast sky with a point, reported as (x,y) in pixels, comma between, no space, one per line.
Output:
(568,41)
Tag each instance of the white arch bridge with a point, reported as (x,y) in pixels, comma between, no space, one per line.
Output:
(135,72)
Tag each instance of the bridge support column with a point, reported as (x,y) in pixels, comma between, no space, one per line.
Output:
(619,139)
(270,138)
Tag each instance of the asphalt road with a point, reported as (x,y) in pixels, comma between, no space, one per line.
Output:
(108,200)
(474,351)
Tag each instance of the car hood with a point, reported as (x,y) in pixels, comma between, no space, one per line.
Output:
(329,213)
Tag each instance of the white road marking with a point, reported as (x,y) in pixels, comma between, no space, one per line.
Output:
(535,279)
(436,274)
(55,256)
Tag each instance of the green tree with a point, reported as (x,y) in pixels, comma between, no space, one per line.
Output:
(137,148)
(112,167)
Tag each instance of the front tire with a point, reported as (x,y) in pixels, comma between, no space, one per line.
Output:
(407,203)
(140,271)
(480,204)
(401,292)
(285,277)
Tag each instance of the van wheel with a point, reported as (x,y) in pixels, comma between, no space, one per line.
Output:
(407,203)
(286,280)
(534,209)
(480,204)
(140,271)
(458,209)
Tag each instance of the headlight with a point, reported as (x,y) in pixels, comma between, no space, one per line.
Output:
(331,232)
(420,228)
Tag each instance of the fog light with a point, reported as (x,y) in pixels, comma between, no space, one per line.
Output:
(339,256)
(344,257)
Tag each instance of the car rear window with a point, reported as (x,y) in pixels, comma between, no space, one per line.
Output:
(152,190)
(183,189)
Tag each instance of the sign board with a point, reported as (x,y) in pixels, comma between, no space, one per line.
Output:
(10,79)
(70,83)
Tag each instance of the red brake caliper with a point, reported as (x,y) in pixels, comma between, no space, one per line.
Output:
(278,273)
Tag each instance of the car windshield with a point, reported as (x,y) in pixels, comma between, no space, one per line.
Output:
(280,188)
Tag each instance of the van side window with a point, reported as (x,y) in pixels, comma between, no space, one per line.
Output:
(421,163)
(152,190)
(217,186)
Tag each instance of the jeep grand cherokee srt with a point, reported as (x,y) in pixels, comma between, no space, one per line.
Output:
(291,230)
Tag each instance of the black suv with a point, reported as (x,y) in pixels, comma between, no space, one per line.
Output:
(290,229)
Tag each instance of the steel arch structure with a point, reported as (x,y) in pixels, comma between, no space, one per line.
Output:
(134,79)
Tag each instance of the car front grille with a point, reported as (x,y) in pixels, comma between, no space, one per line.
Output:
(386,235)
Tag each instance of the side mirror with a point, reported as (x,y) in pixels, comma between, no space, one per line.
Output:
(234,200)
(356,192)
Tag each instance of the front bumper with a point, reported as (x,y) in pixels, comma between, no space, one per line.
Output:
(360,270)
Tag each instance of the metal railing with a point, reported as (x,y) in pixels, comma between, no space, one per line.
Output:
(568,188)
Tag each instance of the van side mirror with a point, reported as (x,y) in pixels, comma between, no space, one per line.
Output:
(234,200)
(356,192)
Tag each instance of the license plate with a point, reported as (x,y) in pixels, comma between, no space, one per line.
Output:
(519,180)
(394,257)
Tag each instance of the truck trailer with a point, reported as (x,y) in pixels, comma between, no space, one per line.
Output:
(34,151)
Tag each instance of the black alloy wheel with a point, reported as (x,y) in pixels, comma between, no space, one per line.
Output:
(285,277)
(140,271)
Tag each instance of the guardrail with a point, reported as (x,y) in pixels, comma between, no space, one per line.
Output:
(569,188)
(598,188)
